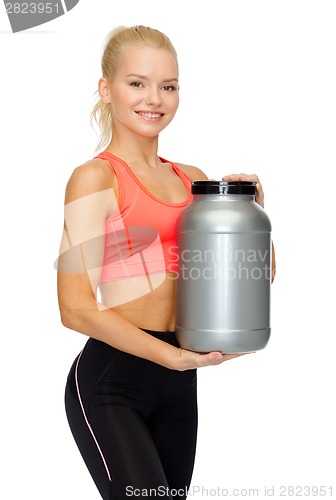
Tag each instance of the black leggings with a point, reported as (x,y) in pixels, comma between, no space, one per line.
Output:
(134,421)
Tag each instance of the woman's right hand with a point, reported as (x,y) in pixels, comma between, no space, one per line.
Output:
(188,360)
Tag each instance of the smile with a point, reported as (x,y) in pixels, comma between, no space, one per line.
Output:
(150,116)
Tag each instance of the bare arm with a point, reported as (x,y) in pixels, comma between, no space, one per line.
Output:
(89,199)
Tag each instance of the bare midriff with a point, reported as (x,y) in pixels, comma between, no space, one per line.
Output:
(146,301)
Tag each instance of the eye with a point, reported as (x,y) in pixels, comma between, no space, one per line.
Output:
(169,88)
(136,84)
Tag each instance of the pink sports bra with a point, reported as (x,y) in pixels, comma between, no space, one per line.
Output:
(140,235)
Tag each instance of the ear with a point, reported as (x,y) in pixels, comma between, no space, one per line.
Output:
(104,91)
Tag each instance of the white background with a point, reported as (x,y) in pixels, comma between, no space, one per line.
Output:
(257,95)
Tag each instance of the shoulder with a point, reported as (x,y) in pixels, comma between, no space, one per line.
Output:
(90,177)
(194,173)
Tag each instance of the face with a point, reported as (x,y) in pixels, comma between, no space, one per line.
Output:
(143,96)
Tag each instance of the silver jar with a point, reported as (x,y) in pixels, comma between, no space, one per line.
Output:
(224,274)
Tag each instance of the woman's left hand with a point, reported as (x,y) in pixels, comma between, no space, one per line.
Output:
(248,177)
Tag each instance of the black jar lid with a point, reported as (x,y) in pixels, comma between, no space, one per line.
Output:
(223,187)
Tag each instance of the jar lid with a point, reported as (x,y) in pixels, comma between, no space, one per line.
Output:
(223,187)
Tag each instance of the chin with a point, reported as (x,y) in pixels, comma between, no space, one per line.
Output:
(150,133)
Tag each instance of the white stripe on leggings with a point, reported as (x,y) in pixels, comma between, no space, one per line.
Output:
(86,420)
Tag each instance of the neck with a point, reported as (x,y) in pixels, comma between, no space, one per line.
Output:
(135,148)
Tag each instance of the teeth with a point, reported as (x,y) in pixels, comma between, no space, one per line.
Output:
(150,115)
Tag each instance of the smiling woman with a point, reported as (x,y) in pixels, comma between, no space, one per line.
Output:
(117,44)
(131,397)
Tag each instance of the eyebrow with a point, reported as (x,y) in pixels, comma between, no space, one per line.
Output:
(143,77)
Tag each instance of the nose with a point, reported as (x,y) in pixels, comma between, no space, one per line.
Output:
(153,96)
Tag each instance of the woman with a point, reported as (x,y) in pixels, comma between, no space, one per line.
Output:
(131,393)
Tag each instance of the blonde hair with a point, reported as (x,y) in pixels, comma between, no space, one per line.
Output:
(114,43)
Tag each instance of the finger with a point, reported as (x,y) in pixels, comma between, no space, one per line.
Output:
(273,263)
(241,177)
(216,358)
(233,177)
(226,357)
(253,178)
(260,195)
(260,191)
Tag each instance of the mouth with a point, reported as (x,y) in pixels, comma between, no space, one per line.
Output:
(151,116)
